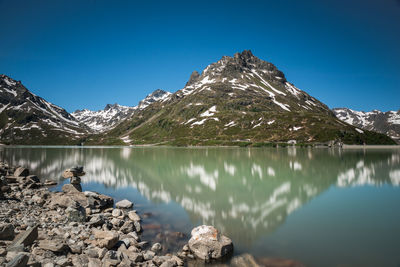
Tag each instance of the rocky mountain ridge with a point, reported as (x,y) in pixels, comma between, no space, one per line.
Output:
(382,122)
(238,99)
(28,118)
(111,115)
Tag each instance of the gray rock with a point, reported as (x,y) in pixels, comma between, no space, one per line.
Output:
(73,172)
(96,220)
(134,256)
(7,231)
(53,245)
(38,200)
(124,204)
(21,172)
(117,222)
(244,260)
(107,239)
(148,255)
(75,180)
(33,179)
(62,261)
(26,238)
(158,260)
(112,257)
(138,227)
(168,263)
(116,212)
(134,235)
(128,227)
(133,216)
(20,260)
(207,243)
(69,188)
(156,247)
(76,214)
(94,262)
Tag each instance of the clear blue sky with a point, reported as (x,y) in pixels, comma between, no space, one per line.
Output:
(87,53)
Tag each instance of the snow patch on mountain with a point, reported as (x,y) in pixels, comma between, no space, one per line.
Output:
(383,122)
(112,115)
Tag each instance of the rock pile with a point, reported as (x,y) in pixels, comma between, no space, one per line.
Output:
(39,227)
(74,174)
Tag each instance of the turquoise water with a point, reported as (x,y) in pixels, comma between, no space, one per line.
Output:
(320,207)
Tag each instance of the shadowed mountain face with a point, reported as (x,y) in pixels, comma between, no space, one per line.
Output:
(26,118)
(247,193)
(239,98)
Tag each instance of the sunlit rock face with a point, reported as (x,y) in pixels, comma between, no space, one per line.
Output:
(251,189)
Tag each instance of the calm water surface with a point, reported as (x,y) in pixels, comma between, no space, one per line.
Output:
(318,206)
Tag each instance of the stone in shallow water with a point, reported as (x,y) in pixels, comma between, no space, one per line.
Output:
(207,243)
(244,260)
(124,204)
(280,262)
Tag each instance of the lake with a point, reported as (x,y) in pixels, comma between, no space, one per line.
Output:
(321,207)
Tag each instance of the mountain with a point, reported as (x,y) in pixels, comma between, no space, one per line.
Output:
(26,118)
(111,115)
(103,120)
(237,100)
(382,122)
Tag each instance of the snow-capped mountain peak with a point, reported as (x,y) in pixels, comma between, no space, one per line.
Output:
(382,122)
(27,116)
(107,118)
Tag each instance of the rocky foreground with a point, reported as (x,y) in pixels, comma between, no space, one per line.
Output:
(39,227)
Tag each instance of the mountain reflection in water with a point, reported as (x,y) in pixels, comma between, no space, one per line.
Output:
(246,193)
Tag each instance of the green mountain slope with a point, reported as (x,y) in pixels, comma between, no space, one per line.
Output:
(237,100)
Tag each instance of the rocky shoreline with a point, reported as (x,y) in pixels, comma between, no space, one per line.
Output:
(39,227)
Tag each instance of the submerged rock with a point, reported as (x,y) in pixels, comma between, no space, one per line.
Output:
(207,243)
(244,260)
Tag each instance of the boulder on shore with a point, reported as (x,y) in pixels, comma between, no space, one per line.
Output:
(124,204)
(6,231)
(207,243)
